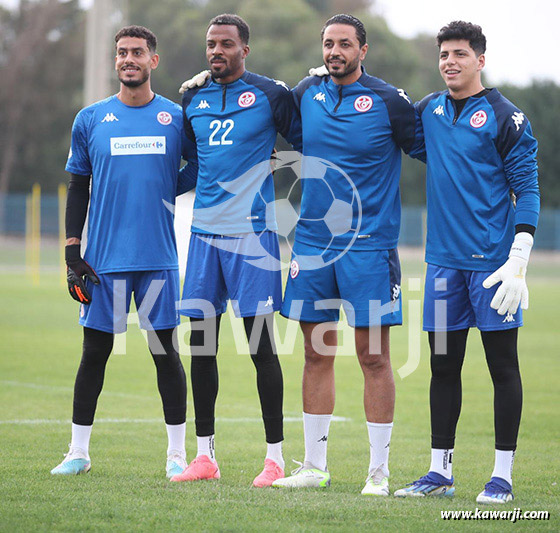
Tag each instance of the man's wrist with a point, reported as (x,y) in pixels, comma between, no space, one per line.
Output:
(72,252)
(522,245)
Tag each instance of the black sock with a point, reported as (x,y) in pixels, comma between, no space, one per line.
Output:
(501,356)
(445,387)
(171,379)
(97,348)
(204,372)
(270,383)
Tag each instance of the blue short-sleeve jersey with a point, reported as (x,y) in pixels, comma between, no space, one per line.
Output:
(234,127)
(473,161)
(361,128)
(133,155)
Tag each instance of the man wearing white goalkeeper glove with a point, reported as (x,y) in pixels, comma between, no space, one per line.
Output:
(513,289)
(479,148)
(196,81)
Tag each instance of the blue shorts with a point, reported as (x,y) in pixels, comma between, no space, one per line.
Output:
(366,283)
(456,299)
(243,268)
(156,293)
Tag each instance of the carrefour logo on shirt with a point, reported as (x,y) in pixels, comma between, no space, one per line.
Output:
(137,145)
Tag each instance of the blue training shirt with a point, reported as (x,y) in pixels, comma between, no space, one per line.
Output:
(234,127)
(133,155)
(361,128)
(473,162)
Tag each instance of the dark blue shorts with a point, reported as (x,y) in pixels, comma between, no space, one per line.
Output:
(156,293)
(365,283)
(243,268)
(455,299)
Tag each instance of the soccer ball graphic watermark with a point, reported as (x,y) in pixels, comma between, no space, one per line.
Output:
(331,209)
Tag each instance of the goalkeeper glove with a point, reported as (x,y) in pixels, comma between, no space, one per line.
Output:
(319,71)
(196,81)
(513,289)
(76,270)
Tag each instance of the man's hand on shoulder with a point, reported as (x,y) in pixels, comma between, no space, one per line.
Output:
(76,271)
(196,81)
(319,71)
(513,290)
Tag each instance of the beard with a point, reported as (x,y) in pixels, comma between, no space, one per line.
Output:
(344,70)
(224,72)
(135,83)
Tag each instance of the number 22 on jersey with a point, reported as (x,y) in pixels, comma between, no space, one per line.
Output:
(217,127)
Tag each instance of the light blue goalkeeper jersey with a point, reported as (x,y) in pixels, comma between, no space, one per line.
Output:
(133,155)
(473,161)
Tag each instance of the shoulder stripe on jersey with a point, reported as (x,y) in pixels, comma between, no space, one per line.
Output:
(304,84)
(399,108)
(511,122)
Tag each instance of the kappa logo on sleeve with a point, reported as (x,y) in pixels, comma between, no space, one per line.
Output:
(518,119)
(282,84)
(403,94)
(138,145)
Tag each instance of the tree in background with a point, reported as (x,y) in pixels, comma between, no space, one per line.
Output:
(41,68)
(42,60)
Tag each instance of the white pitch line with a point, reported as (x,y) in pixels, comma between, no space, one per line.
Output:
(52,388)
(54,421)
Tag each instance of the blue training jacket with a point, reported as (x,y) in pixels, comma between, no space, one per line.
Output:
(234,127)
(473,161)
(359,128)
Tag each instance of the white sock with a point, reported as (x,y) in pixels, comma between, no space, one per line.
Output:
(274,452)
(503,465)
(80,437)
(316,432)
(442,462)
(176,438)
(206,446)
(379,442)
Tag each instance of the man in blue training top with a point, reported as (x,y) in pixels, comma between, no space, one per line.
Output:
(233,117)
(129,146)
(358,125)
(478,148)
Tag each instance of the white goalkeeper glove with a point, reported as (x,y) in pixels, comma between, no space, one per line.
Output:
(319,71)
(513,289)
(196,81)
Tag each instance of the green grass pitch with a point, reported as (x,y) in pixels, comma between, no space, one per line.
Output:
(127,489)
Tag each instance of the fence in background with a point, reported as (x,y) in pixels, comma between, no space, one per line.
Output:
(14,213)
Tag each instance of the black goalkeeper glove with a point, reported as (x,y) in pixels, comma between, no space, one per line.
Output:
(76,270)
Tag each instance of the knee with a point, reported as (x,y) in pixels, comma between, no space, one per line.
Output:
(445,367)
(505,373)
(97,347)
(315,360)
(374,363)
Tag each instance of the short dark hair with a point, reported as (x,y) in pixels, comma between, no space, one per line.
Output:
(459,29)
(141,33)
(227,19)
(350,21)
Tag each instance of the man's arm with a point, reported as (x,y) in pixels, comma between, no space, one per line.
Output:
(518,149)
(77,201)
(189,173)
